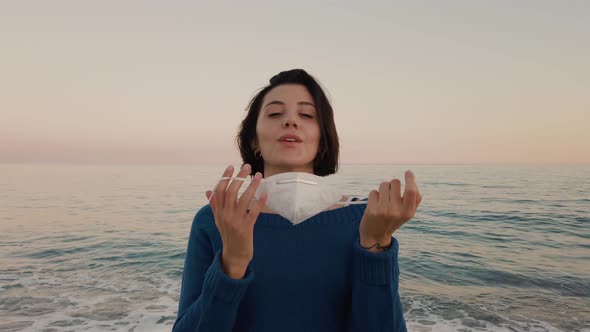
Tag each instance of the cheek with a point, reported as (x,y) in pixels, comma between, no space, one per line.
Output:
(265,133)
(316,133)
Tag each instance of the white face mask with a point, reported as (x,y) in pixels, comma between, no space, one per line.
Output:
(298,196)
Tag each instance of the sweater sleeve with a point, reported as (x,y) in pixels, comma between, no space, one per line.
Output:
(376,304)
(209,299)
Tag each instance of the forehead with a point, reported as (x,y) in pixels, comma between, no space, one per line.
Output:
(288,93)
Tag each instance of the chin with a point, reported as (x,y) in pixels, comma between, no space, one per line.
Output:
(294,163)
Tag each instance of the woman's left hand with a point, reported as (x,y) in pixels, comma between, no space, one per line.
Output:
(387,211)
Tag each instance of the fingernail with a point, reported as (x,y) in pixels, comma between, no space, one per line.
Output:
(229,168)
(257,176)
(246,167)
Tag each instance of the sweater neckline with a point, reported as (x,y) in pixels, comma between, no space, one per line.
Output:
(342,215)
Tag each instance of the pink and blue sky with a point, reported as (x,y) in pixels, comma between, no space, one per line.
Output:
(413,82)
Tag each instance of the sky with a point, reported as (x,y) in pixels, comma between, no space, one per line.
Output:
(411,82)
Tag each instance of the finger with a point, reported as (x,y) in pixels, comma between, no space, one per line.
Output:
(373,201)
(419,199)
(255,211)
(222,185)
(384,189)
(410,191)
(210,194)
(396,193)
(231,194)
(212,201)
(246,198)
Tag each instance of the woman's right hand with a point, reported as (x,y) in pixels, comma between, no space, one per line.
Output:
(234,222)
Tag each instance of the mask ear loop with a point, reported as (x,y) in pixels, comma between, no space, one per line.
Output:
(238,178)
(232,177)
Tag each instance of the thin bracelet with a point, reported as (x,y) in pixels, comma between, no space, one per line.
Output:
(377,245)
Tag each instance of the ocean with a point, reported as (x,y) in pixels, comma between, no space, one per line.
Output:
(101,247)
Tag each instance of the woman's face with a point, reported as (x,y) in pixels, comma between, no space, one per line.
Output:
(288,109)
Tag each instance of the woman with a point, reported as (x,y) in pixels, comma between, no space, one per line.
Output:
(249,268)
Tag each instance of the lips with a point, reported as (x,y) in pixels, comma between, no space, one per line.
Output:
(291,136)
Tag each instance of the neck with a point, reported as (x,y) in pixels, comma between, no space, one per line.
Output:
(270,170)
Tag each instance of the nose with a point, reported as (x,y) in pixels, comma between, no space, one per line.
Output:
(291,120)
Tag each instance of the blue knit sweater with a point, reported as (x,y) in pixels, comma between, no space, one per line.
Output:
(313,276)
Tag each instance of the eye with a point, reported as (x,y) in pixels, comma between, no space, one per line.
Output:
(305,115)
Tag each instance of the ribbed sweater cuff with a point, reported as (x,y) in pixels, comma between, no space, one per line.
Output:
(222,286)
(376,268)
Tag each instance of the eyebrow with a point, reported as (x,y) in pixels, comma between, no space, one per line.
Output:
(277,102)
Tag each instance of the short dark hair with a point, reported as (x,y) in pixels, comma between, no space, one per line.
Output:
(326,160)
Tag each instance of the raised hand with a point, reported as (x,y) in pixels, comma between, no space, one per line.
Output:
(387,211)
(234,222)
